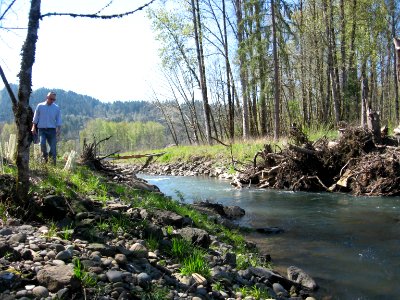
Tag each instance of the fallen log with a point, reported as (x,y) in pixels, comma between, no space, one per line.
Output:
(117,156)
(302,150)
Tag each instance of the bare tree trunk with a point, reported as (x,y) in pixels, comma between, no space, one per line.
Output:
(329,66)
(200,58)
(277,88)
(231,110)
(306,118)
(260,53)
(22,110)
(168,120)
(342,86)
(243,79)
(352,74)
(364,97)
(396,72)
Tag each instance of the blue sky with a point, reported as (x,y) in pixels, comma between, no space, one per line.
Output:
(107,59)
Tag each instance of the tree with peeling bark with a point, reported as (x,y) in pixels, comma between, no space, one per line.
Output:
(21,109)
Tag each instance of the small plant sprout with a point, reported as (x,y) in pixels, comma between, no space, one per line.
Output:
(87,279)
(67,232)
(152,242)
(52,231)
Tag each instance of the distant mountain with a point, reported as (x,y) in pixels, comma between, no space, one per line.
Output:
(77,109)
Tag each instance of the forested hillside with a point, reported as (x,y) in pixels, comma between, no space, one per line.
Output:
(78,109)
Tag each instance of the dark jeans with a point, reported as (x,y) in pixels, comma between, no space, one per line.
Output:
(48,135)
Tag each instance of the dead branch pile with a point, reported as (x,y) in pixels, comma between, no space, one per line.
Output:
(90,158)
(353,163)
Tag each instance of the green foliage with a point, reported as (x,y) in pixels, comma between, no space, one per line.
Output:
(89,183)
(102,225)
(196,263)
(254,291)
(181,248)
(125,136)
(87,279)
(52,231)
(67,232)
(3,212)
(120,224)
(245,260)
(155,293)
(218,286)
(169,229)
(152,242)
(316,132)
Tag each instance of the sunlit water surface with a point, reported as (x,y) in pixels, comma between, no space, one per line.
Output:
(349,245)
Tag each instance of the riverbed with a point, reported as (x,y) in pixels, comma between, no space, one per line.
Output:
(349,245)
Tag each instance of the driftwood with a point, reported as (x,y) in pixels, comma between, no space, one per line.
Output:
(354,163)
(137,155)
(149,159)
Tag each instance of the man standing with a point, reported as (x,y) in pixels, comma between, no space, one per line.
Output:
(47,119)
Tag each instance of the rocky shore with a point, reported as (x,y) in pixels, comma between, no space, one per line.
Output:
(83,261)
(197,166)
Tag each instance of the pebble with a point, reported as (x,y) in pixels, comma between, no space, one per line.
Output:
(114,276)
(40,291)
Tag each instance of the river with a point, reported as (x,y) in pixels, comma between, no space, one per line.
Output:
(349,245)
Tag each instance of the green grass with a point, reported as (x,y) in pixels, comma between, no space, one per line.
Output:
(155,293)
(67,232)
(52,231)
(120,224)
(196,263)
(255,292)
(180,248)
(243,152)
(152,243)
(245,260)
(87,279)
(240,151)
(3,212)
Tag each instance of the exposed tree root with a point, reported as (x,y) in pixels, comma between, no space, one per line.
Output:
(353,163)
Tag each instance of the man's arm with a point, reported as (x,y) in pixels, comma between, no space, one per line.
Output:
(35,120)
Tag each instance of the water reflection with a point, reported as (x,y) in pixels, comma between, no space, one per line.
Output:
(350,245)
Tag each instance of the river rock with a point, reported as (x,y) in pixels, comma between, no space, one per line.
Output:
(40,292)
(114,276)
(234,212)
(299,276)
(143,280)
(57,277)
(270,230)
(196,236)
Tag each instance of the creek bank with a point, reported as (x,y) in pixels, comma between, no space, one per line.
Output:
(38,261)
(355,163)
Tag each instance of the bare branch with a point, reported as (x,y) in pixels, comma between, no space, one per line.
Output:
(108,4)
(7,9)
(96,16)
(7,85)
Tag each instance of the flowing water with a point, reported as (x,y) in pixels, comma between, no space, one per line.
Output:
(349,245)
